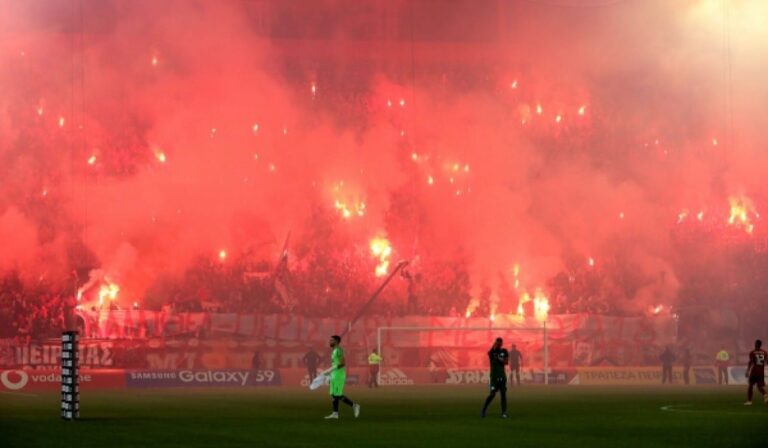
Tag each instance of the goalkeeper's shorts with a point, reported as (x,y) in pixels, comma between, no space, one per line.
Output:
(337,384)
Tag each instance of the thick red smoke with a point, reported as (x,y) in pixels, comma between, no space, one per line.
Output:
(138,136)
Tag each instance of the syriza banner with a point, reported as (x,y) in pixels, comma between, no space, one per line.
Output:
(527,376)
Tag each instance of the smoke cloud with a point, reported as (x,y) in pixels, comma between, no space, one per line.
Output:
(139,136)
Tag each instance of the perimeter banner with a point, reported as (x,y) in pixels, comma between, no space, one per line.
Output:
(198,341)
(640,376)
(49,380)
(405,376)
(202,378)
(737,375)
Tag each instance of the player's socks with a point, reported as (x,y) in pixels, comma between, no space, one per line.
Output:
(488,401)
(356,410)
(333,416)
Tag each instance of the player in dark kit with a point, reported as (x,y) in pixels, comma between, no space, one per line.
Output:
(499,358)
(756,371)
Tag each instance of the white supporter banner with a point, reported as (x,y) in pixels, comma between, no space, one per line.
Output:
(575,327)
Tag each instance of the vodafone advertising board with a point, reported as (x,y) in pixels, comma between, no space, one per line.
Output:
(49,380)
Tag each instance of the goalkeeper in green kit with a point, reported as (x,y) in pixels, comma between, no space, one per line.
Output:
(338,376)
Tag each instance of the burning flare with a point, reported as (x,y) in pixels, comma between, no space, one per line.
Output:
(741,209)
(471,307)
(540,305)
(160,155)
(347,205)
(381,249)
(348,211)
(109,291)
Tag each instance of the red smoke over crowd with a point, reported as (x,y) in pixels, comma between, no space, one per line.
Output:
(526,157)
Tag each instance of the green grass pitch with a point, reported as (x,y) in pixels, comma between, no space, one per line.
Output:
(438,416)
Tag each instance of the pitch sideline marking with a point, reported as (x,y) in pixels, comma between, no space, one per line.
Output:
(20,394)
(676,408)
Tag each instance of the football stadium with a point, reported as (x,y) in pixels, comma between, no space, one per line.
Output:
(417,223)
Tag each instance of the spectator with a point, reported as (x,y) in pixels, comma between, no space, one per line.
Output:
(667,358)
(311,361)
(374,362)
(722,359)
(686,360)
(515,364)
(256,361)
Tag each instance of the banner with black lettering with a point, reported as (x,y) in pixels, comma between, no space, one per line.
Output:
(202,378)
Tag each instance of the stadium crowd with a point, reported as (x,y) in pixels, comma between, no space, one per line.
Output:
(337,286)
(26,315)
(325,278)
